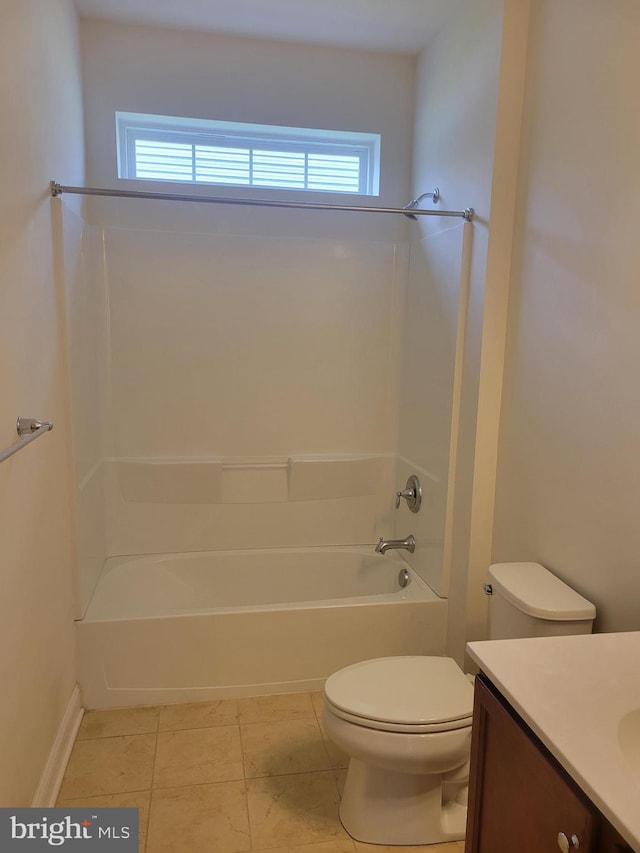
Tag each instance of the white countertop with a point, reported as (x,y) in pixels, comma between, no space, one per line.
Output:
(573,692)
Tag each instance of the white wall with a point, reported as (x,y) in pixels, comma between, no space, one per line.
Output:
(569,466)
(40,111)
(204,75)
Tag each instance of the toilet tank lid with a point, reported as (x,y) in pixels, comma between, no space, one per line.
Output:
(535,591)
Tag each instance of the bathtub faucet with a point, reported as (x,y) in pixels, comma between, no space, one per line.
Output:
(385,545)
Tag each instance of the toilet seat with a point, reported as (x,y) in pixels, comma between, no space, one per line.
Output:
(409,694)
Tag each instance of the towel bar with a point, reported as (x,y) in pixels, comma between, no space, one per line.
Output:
(28,429)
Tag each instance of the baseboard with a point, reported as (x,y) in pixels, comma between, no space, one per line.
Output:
(47,791)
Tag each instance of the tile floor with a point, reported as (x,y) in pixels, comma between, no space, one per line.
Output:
(226,777)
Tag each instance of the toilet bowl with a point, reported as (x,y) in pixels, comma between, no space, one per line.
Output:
(405,722)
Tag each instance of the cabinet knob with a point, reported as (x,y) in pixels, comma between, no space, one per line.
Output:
(567,844)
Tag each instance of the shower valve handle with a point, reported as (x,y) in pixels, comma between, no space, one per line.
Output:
(408,494)
(412,493)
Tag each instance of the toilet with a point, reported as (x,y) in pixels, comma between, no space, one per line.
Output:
(405,722)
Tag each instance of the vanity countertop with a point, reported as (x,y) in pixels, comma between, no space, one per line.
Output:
(581,696)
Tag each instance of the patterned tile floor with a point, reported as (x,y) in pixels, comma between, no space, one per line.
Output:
(219,777)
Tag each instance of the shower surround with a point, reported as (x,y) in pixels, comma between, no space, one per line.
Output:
(235,394)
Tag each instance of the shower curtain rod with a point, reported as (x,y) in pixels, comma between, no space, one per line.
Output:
(410,212)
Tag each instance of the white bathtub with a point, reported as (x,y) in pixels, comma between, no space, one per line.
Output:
(185,627)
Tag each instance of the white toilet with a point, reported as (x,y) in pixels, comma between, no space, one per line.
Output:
(405,722)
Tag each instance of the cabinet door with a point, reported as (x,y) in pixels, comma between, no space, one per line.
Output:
(519,799)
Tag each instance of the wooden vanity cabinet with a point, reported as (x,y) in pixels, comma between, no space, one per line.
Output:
(520,798)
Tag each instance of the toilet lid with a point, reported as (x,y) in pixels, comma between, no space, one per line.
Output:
(403,691)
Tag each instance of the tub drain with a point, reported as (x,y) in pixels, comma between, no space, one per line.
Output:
(403,577)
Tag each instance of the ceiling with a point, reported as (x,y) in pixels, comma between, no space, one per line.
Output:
(395,26)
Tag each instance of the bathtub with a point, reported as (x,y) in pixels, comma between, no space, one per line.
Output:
(186,627)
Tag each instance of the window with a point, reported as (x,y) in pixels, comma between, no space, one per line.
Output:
(196,151)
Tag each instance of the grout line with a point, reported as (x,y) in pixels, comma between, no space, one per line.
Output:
(112,737)
(146,829)
(324,744)
(336,768)
(197,728)
(313,719)
(330,770)
(244,784)
(153,774)
(239,779)
(164,731)
(244,769)
(196,785)
(69,800)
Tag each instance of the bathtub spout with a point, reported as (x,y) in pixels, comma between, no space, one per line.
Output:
(384,545)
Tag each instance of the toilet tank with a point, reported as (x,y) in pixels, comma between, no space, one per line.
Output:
(526,600)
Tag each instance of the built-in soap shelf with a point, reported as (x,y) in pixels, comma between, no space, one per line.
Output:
(272,479)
